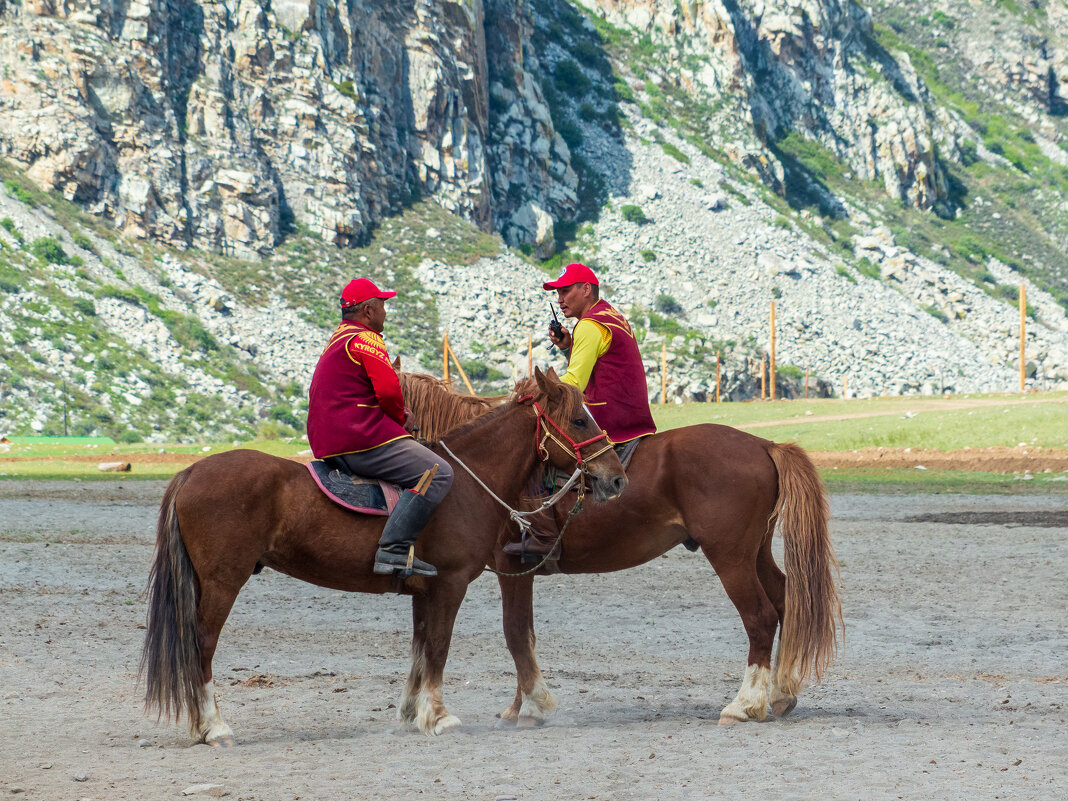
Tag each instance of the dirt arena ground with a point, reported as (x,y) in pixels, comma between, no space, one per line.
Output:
(951,683)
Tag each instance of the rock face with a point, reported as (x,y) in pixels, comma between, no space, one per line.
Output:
(221,124)
(810,66)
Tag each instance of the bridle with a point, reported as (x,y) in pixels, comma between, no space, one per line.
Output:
(561,438)
(540,438)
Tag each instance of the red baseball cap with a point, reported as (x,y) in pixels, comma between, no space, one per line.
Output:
(361,289)
(573,274)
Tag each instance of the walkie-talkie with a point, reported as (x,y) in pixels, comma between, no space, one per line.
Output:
(556,327)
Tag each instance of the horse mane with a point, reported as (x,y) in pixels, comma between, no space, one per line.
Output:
(439,409)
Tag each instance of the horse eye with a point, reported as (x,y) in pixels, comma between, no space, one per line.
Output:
(581,422)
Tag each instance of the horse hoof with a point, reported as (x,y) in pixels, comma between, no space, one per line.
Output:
(729,720)
(784,707)
(529,722)
(446,723)
(505,723)
(225,741)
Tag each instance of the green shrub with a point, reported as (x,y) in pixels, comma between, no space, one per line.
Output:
(782,222)
(866,267)
(666,304)
(284,414)
(587,112)
(569,78)
(18,192)
(634,214)
(10,287)
(48,250)
(649,255)
(346,88)
(85,306)
(570,133)
(843,271)
(697,182)
(937,313)
(129,437)
(9,224)
(776,292)
(674,152)
(84,242)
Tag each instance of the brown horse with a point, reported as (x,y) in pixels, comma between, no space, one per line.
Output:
(228,515)
(709,486)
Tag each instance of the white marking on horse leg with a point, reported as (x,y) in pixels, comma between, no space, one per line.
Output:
(535,704)
(751,703)
(213,729)
(431,717)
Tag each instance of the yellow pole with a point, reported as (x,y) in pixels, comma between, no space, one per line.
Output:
(763,386)
(663,373)
(771,368)
(460,370)
(530,355)
(445,357)
(717,376)
(1023,337)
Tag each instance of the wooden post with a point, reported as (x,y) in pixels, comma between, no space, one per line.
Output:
(1023,337)
(771,366)
(806,382)
(460,370)
(445,357)
(763,388)
(717,376)
(530,355)
(663,373)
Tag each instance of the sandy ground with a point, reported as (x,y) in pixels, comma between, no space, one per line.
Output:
(951,683)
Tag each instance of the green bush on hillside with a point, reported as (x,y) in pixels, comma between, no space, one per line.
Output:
(48,250)
(634,214)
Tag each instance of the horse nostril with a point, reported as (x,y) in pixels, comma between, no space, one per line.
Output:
(619,483)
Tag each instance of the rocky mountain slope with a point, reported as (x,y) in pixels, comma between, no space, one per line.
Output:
(188,185)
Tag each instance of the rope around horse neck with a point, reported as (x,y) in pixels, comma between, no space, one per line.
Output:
(519,516)
(515,514)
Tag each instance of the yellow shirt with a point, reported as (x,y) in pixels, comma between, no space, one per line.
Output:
(589,342)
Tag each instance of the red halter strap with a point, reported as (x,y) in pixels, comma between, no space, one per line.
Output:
(576,447)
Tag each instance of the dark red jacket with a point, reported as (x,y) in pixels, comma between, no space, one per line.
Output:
(355,401)
(617,393)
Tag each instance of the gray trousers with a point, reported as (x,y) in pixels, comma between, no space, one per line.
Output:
(403,462)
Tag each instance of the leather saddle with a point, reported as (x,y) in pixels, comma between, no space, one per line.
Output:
(369,496)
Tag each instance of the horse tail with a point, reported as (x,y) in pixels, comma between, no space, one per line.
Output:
(170,660)
(808,640)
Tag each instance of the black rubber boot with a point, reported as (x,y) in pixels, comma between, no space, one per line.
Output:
(396,546)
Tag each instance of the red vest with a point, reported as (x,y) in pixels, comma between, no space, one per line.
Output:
(617,393)
(355,401)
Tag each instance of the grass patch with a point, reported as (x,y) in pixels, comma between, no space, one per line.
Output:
(995,420)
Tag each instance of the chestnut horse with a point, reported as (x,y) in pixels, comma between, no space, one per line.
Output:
(228,515)
(712,487)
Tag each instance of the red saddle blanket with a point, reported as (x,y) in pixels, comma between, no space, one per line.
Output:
(370,496)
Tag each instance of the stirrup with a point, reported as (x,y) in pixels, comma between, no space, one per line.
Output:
(387,562)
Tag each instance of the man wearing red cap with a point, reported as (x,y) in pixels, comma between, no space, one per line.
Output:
(605,363)
(356,414)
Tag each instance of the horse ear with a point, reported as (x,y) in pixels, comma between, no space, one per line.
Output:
(396,364)
(551,373)
(539,377)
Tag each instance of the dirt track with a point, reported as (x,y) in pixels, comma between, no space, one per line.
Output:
(951,684)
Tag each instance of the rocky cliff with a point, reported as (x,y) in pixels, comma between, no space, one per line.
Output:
(889,177)
(223,125)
